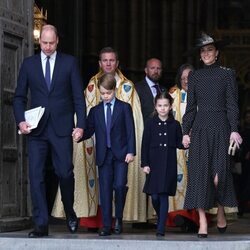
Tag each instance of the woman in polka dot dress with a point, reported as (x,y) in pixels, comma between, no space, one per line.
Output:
(209,124)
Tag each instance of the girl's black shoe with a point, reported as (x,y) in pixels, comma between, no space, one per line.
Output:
(160,234)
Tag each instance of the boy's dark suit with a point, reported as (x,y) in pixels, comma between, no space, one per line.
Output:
(54,130)
(111,161)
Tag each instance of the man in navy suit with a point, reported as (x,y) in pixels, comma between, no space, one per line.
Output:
(149,87)
(54,82)
(113,124)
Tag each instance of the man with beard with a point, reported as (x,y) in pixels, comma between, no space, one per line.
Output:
(149,87)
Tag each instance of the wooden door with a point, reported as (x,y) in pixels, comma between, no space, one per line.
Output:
(16,24)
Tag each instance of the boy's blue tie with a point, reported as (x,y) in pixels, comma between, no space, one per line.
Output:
(108,123)
(47,73)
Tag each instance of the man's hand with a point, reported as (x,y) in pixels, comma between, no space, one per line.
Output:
(24,127)
(129,158)
(77,134)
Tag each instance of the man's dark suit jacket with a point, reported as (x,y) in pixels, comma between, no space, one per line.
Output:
(122,132)
(146,98)
(61,102)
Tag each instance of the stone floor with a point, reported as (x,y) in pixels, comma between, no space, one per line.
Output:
(237,237)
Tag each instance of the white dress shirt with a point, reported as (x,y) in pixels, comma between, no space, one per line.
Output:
(52,61)
(151,85)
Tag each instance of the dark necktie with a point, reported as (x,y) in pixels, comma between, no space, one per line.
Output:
(157,87)
(108,124)
(47,73)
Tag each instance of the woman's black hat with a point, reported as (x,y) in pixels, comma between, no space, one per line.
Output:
(204,40)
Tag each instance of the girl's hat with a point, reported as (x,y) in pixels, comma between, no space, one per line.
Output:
(204,40)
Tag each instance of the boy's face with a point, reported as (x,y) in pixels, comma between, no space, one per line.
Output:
(106,95)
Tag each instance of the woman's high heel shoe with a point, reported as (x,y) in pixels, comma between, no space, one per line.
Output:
(202,235)
(222,230)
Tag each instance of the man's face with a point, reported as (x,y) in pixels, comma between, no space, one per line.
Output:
(108,62)
(153,70)
(48,42)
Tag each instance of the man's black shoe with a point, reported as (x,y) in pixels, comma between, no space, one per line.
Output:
(38,232)
(105,231)
(72,223)
(118,226)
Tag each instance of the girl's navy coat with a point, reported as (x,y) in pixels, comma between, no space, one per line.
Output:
(159,143)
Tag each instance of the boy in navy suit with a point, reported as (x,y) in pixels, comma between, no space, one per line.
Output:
(113,125)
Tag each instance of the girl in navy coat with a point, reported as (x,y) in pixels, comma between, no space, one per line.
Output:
(162,135)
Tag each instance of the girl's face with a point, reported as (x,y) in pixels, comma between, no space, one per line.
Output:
(163,107)
(209,54)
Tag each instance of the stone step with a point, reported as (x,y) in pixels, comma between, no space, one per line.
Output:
(89,241)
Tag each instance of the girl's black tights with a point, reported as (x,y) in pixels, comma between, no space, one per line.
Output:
(160,204)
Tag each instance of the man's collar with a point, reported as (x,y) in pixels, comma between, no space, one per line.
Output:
(52,56)
(150,83)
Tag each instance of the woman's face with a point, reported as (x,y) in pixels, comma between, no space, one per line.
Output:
(208,54)
(184,79)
